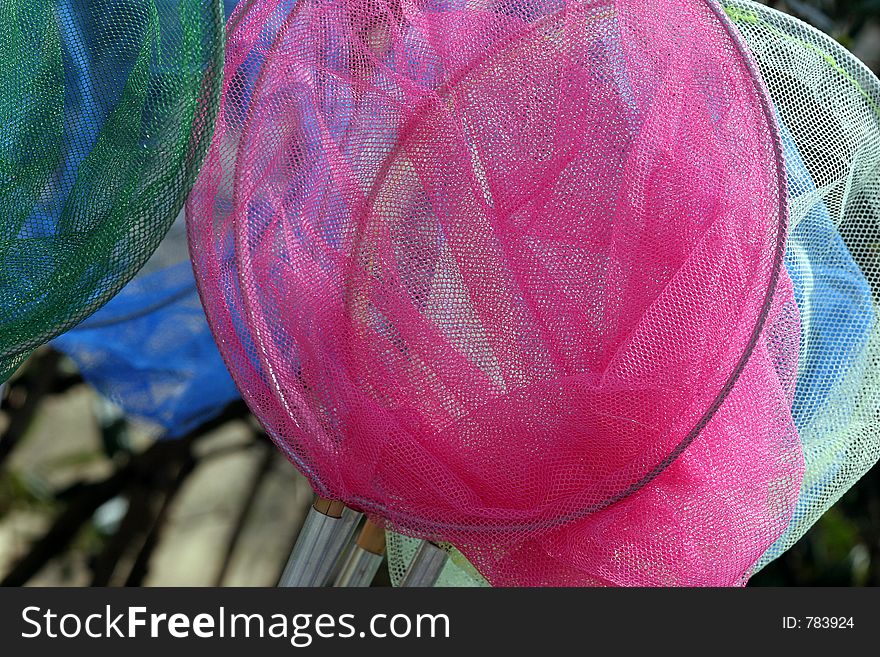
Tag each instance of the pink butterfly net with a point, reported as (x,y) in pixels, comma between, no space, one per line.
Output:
(507,275)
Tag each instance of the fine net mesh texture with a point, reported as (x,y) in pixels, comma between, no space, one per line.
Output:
(457,572)
(106,110)
(150,351)
(830,107)
(829,103)
(490,271)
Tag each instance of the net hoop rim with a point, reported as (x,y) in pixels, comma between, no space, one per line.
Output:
(413,525)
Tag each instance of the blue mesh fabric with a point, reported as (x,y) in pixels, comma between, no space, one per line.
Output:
(828,283)
(150,351)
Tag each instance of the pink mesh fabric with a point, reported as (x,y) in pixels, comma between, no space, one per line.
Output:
(489,271)
(703,520)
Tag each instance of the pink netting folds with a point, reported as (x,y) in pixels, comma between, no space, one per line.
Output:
(488,270)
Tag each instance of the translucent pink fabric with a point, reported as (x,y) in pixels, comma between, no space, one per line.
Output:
(489,270)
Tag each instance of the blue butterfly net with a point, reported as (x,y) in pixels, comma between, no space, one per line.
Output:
(150,351)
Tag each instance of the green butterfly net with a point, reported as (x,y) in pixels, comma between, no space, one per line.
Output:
(106,110)
(828,106)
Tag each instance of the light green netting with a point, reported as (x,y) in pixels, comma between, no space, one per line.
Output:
(829,105)
(401,550)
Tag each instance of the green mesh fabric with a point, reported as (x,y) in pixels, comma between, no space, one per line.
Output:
(106,110)
(401,549)
(829,103)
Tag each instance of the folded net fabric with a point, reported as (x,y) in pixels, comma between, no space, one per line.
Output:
(830,104)
(837,319)
(106,110)
(149,350)
(497,274)
(833,105)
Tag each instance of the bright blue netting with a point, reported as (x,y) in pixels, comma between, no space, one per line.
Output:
(150,351)
(828,285)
